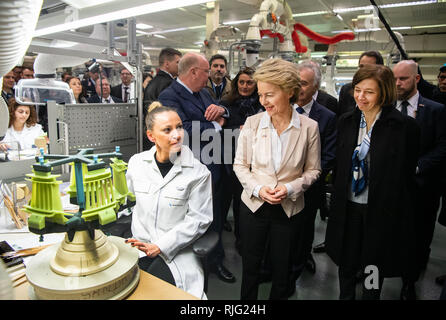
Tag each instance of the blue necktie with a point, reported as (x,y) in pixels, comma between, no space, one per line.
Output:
(300,110)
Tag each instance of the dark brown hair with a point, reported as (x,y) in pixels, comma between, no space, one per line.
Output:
(234,94)
(384,78)
(13,105)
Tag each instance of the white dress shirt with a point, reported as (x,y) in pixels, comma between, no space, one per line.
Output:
(278,144)
(307,108)
(412,107)
(24,138)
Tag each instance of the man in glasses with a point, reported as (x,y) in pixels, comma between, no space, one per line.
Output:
(122,91)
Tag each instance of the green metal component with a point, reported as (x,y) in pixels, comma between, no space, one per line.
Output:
(121,189)
(45,204)
(71,190)
(100,202)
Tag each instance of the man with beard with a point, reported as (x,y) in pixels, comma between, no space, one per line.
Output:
(431,118)
(219,85)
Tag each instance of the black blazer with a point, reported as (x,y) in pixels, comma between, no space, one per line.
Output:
(96,99)
(431,117)
(116,91)
(161,81)
(346,101)
(390,237)
(326,120)
(328,101)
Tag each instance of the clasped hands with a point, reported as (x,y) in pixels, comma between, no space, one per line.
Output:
(214,113)
(150,249)
(273,196)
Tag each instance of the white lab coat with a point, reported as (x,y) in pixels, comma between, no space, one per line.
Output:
(25,138)
(172,212)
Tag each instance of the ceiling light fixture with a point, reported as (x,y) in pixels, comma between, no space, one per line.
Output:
(82,4)
(119,14)
(143,26)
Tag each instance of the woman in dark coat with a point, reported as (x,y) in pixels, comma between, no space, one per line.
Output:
(242,102)
(372,221)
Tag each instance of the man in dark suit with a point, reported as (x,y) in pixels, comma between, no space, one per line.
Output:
(431,117)
(89,82)
(346,101)
(168,71)
(310,76)
(122,91)
(202,117)
(327,100)
(106,97)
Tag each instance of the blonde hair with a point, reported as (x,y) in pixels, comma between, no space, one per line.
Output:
(155,108)
(280,73)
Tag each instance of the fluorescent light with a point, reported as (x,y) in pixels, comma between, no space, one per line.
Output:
(429,26)
(390,5)
(159,36)
(177,29)
(143,26)
(117,15)
(306,14)
(141,32)
(81,4)
(236,22)
(395,28)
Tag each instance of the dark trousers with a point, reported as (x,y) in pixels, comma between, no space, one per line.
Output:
(232,193)
(254,228)
(427,216)
(350,263)
(217,255)
(156,267)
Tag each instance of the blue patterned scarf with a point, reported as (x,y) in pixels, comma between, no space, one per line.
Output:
(360,167)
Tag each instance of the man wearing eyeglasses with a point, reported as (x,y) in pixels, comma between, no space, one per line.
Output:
(219,85)
(122,91)
(439,92)
(201,117)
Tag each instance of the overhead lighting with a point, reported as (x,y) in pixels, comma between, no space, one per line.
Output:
(143,26)
(236,22)
(141,32)
(390,5)
(82,4)
(119,14)
(306,14)
(159,36)
(178,29)
(395,28)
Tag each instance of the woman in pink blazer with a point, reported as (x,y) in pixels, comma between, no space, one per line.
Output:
(277,159)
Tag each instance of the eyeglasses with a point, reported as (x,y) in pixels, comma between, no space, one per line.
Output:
(126,74)
(441,77)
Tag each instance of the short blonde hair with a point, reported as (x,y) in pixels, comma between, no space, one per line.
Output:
(280,73)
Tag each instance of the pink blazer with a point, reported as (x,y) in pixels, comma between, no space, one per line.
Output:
(300,166)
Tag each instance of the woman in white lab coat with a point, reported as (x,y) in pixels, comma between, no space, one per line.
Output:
(23,127)
(173,202)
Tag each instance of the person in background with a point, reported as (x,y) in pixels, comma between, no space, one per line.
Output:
(242,102)
(27,73)
(431,118)
(106,97)
(64,77)
(8,86)
(78,90)
(147,77)
(17,70)
(277,159)
(178,209)
(23,127)
(372,223)
(168,71)
(122,91)
(89,83)
(346,100)
(310,77)
(219,84)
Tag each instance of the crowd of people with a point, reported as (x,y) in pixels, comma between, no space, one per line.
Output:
(267,142)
